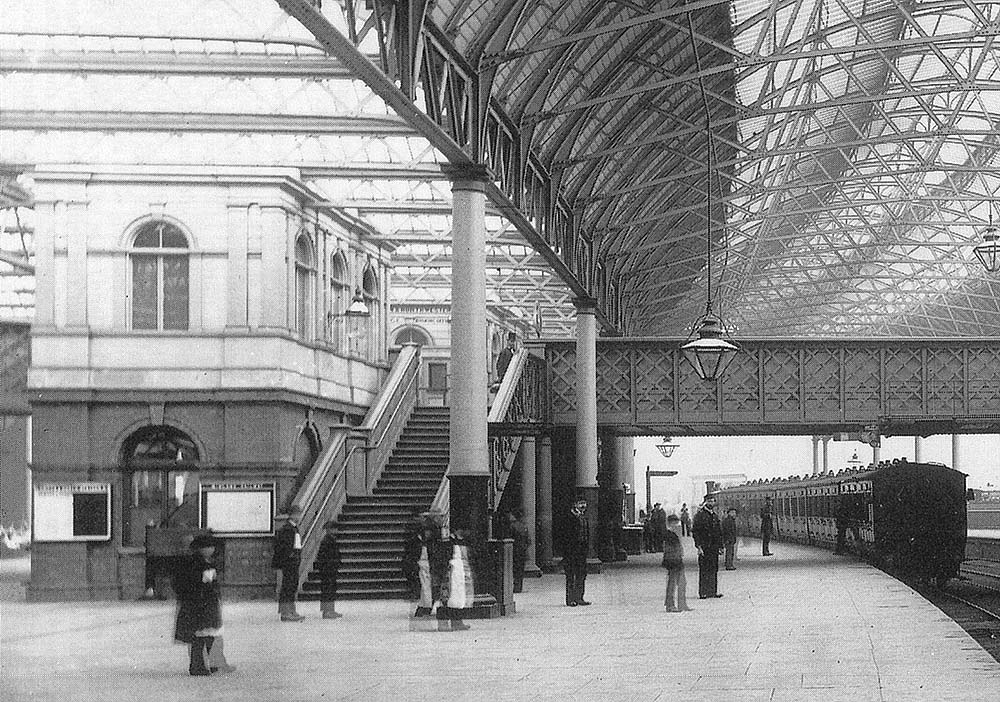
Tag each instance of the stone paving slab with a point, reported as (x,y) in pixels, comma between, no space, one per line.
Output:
(801,626)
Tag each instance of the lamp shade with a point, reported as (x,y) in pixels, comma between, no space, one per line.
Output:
(988,252)
(666,450)
(358,307)
(710,354)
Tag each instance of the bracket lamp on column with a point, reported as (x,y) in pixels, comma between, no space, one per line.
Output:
(709,354)
(988,252)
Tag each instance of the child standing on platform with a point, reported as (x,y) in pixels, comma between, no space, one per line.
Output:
(729,537)
(673,561)
(328,564)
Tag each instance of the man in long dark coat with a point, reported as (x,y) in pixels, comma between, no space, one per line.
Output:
(517,531)
(707,532)
(575,552)
(328,565)
(766,527)
(199,603)
(288,558)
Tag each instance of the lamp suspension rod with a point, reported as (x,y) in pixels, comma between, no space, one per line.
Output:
(708,137)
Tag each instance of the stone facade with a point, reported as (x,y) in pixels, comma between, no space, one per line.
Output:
(241,353)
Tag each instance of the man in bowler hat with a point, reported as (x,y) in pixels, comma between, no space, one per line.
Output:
(288,558)
(707,532)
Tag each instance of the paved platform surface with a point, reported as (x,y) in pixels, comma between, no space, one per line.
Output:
(802,626)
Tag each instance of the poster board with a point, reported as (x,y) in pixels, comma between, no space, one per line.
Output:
(71,512)
(237,508)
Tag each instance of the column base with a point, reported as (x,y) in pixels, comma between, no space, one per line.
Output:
(550,568)
(487,607)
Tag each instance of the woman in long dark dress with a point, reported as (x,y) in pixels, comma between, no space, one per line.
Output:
(199,598)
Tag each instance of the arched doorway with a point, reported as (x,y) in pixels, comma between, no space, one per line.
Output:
(160,481)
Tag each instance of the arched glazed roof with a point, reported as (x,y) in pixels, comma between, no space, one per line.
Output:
(853,142)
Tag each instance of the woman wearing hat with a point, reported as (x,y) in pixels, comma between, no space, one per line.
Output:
(199,598)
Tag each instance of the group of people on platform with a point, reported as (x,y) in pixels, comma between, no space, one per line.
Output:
(438,564)
(712,536)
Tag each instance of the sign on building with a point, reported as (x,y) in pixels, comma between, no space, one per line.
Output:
(237,508)
(71,512)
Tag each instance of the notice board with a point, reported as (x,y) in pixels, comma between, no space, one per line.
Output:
(237,508)
(71,512)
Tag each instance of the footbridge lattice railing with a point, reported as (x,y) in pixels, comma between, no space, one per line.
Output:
(904,386)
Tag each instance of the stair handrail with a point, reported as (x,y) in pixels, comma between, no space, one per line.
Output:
(508,387)
(519,403)
(440,504)
(323,493)
(387,417)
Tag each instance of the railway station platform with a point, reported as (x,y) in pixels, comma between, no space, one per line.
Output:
(801,625)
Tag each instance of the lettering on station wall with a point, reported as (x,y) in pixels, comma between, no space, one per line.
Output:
(71,511)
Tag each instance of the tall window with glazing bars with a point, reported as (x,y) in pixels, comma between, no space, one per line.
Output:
(160,277)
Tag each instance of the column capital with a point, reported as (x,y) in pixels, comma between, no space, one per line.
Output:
(585,305)
(467,176)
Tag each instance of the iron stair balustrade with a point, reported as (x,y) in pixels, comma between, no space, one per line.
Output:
(322,494)
(518,409)
(346,465)
(387,418)
(374,526)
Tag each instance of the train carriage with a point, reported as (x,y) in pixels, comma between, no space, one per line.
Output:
(906,517)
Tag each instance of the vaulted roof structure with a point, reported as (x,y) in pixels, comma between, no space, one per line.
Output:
(814,167)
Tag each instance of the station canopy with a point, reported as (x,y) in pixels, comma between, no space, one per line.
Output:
(835,160)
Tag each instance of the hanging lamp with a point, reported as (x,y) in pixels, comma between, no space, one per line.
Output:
(988,252)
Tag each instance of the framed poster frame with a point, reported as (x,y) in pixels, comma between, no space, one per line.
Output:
(246,508)
(63,511)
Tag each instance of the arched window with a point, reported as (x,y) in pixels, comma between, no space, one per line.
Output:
(160,277)
(306,451)
(369,291)
(305,276)
(340,298)
(411,335)
(160,481)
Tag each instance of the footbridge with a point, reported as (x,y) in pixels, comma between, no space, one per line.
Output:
(780,386)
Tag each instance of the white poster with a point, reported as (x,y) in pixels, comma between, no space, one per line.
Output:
(71,512)
(238,509)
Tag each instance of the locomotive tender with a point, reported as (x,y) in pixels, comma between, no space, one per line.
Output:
(910,517)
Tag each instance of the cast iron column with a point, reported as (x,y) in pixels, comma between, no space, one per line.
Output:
(468,468)
(918,449)
(586,412)
(956,452)
(543,517)
(527,457)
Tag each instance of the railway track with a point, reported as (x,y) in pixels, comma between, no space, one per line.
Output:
(972,601)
